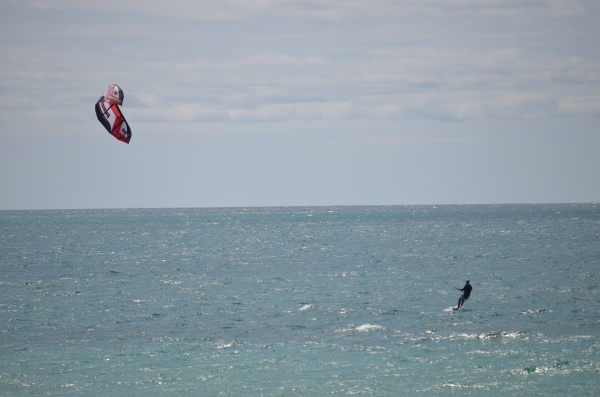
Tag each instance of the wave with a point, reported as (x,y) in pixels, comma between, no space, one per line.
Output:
(368,327)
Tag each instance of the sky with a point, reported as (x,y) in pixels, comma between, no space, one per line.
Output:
(246,103)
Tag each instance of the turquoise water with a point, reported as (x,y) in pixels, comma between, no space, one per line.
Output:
(301,301)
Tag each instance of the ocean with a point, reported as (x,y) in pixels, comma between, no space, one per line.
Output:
(314,301)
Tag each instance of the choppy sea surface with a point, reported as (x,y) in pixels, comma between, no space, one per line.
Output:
(315,301)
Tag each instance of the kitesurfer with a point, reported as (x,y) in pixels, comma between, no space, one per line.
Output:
(466,290)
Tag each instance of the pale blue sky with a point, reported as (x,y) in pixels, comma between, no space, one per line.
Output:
(315,102)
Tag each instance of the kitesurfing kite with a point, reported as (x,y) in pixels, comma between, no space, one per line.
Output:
(109,114)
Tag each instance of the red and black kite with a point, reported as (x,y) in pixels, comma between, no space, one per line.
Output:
(110,116)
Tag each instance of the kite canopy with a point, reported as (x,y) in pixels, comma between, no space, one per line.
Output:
(110,116)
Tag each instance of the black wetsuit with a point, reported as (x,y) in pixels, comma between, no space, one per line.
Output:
(466,290)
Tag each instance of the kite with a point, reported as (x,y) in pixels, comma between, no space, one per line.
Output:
(109,114)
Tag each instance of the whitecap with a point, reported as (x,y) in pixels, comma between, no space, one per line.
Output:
(368,327)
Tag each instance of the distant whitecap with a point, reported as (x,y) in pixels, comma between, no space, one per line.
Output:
(368,327)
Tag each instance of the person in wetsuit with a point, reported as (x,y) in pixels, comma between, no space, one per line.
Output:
(466,290)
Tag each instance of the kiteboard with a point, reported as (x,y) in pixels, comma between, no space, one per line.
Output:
(452,309)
